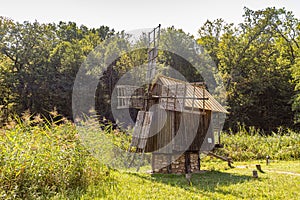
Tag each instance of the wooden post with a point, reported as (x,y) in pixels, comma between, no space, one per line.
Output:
(188,177)
(229,161)
(267,160)
(169,166)
(258,167)
(153,163)
(187,162)
(255,174)
(199,160)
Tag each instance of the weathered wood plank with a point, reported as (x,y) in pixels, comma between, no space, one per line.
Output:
(137,128)
(145,130)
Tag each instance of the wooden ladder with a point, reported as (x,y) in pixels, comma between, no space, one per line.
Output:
(139,137)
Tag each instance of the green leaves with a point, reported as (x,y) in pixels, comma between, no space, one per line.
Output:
(254,59)
(39,159)
(296,99)
(258,60)
(252,144)
(39,63)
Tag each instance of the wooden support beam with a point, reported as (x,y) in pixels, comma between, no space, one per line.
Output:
(228,159)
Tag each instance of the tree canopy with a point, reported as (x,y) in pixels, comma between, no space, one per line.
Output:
(257,59)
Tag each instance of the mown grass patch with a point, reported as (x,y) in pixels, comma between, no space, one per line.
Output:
(218,182)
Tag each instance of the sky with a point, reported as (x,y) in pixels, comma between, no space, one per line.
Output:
(129,15)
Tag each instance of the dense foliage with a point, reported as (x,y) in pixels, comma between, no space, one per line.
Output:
(39,62)
(257,59)
(42,158)
(253,144)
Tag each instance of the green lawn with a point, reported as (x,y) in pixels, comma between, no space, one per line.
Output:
(218,182)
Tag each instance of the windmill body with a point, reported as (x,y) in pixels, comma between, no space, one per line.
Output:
(176,119)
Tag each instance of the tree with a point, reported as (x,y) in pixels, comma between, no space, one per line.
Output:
(40,62)
(296,98)
(254,66)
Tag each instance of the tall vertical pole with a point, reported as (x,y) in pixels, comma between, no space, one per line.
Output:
(152,55)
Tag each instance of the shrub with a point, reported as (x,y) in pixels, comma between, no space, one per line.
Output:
(254,144)
(40,159)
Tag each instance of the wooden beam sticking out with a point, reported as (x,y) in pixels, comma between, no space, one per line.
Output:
(228,159)
(180,97)
(258,167)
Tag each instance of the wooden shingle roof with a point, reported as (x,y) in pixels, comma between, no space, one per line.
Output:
(191,91)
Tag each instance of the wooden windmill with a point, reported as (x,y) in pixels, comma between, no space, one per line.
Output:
(142,99)
(187,109)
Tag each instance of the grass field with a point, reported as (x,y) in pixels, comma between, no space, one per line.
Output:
(219,182)
(46,160)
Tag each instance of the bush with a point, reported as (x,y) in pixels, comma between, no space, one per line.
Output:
(40,159)
(253,144)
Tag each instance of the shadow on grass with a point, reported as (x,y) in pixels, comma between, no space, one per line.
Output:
(208,182)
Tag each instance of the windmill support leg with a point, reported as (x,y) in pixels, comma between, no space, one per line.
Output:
(140,161)
(127,156)
(131,161)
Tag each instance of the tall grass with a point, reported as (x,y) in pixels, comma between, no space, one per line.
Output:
(250,144)
(40,159)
